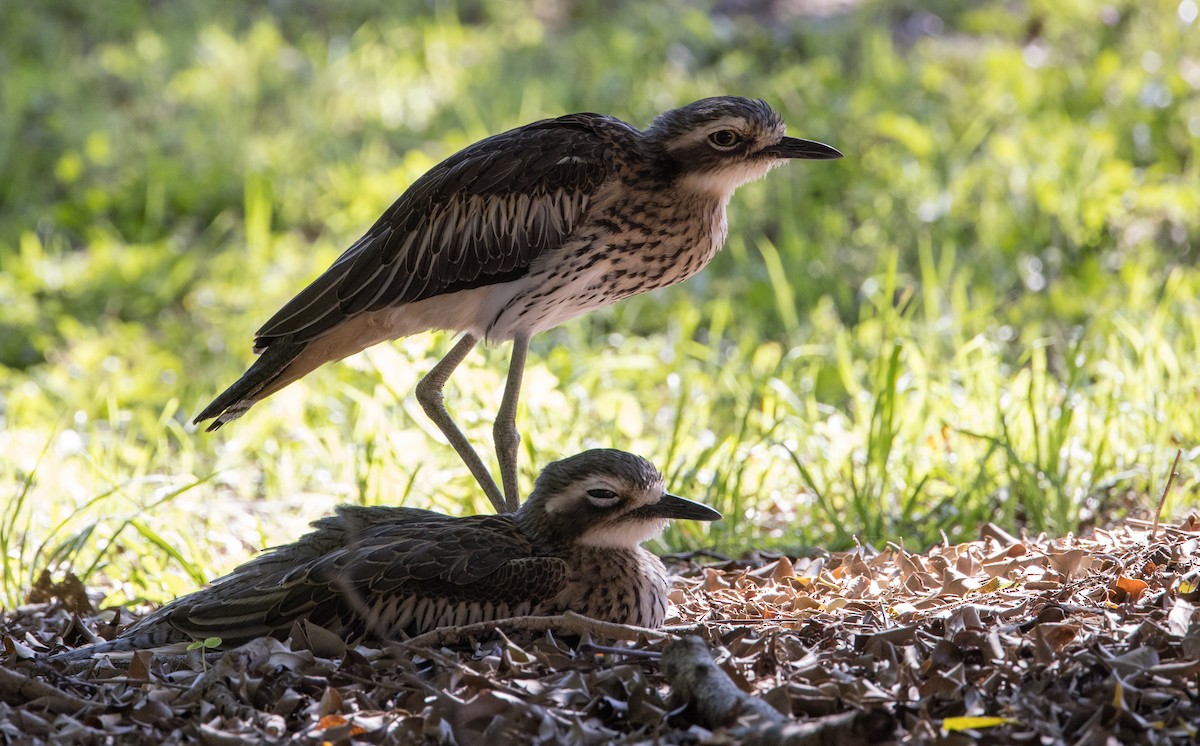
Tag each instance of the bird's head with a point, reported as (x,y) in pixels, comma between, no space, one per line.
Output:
(603,497)
(717,144)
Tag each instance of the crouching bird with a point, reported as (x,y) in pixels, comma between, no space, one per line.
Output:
(386,573)
(516,234)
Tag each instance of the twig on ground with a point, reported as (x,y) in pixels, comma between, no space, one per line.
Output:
(1163,500)
(15,686)
(1004,538)
(697,681)
(716,701)
(1167,528)
(842,729)
(626,652)
(684,629)
(569,623)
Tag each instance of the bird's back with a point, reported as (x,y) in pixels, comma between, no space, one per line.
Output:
(378,572)
(479,218)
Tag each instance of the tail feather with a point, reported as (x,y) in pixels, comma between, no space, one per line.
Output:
(262,378)
(353,574)
(155,635)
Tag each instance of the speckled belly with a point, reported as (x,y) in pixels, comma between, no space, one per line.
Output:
(597,270)
(626,587)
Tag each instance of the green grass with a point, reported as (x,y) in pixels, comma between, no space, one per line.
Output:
(987,312)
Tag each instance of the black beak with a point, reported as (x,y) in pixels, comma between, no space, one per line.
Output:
(673,506)
(794,147)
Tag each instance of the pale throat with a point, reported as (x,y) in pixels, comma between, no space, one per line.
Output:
(624,534)
(722,183)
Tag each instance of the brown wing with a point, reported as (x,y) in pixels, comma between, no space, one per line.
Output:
(359,586)
(477,218)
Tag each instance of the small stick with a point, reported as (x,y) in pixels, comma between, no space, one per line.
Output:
(1168,528)
(627,652)
(14,685)
(1163,500)
(570,623)
(715,701)
(699,682)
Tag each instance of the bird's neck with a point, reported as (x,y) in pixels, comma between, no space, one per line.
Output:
(712,187)
(532,521)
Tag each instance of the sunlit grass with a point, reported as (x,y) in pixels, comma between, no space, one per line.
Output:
(986,312)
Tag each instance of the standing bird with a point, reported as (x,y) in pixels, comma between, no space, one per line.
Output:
(380,572)
(519,233)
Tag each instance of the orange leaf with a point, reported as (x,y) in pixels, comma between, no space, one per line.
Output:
(1132,587)
(330,721)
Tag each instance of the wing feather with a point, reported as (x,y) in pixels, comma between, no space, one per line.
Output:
(356,572)
(481,216)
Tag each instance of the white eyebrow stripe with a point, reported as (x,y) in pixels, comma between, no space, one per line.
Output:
(741,125)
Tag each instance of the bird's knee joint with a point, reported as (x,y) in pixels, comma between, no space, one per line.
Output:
(506,435)
(429,396)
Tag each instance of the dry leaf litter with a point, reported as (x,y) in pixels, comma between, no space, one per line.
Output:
(1001,640)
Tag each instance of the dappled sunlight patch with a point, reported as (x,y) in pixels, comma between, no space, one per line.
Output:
(1114,570)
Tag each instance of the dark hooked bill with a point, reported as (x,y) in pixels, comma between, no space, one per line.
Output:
(673,506)
(794,147)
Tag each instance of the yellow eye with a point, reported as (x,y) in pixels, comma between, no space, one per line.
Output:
(724,139)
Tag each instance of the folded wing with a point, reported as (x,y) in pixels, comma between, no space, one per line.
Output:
(480,217)
(381,580)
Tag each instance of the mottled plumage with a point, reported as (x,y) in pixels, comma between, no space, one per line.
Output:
(385,572)
(518,233)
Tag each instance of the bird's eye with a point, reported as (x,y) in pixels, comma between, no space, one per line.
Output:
(602,497)
(724,139)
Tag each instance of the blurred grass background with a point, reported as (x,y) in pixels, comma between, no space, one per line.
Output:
(987,311)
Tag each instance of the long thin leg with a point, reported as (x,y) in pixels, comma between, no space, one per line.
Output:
(429,394)
(508,440)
